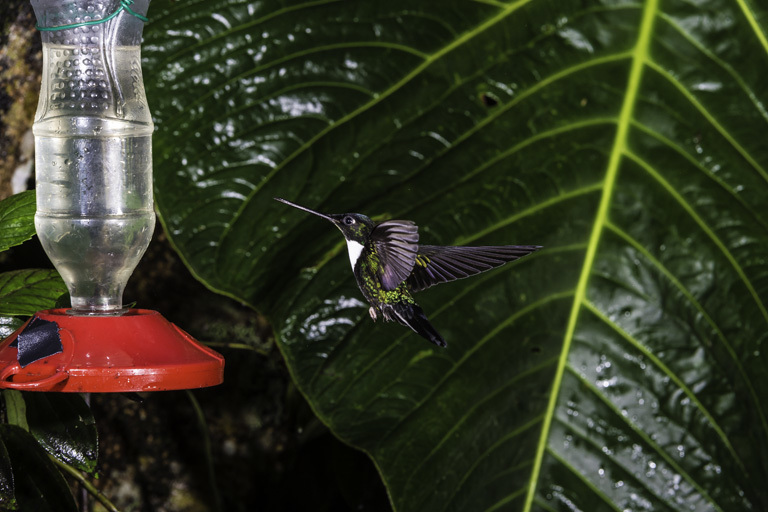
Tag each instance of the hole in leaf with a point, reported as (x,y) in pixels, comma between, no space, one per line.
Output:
(489,100)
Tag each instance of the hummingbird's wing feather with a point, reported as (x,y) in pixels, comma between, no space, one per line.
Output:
(396,243)
(436,264)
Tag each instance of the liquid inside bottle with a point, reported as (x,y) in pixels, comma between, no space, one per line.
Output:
(93,166)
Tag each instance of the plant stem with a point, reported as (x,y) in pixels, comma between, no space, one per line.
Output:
(206,448)
(85,504)
(241,346)
(92,490)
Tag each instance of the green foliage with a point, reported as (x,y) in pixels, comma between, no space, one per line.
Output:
(621,367)
(24,292)
(17,218)
(8,324)
(15,408)
(37,483)
(7,490)
(38,423)
(63,424)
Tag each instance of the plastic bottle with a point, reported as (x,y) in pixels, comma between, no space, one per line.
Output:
(93,151)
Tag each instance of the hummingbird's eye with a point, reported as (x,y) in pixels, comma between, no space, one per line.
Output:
(349,220)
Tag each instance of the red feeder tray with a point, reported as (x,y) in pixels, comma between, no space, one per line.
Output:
(137,351)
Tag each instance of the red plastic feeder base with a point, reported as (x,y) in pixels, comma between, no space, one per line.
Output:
(138,351)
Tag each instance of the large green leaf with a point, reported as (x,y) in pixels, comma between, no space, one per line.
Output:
(620,368)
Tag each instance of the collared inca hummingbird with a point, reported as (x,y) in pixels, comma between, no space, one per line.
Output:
(389,265)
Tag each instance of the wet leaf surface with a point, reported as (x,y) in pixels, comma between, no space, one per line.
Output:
(7,491)
(63,424)
(9,324)
(621,367)
(38,484)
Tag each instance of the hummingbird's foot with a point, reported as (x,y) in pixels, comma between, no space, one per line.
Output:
(372,312)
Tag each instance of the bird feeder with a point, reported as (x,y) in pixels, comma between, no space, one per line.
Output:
(95,216)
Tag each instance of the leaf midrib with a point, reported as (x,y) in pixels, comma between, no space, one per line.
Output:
(639,59)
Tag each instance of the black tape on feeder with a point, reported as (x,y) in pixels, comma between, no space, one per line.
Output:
(39,339)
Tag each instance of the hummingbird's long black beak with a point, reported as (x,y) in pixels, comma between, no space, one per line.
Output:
(326,217)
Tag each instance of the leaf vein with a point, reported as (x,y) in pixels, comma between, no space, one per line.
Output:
(709,117)
(645,437)
(704,227)
(475,406)
(469,353)
(708,318)
(673,376)
(511,435)
(586,481)
(706,172)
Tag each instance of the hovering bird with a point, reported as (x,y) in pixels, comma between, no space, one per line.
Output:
(389,264)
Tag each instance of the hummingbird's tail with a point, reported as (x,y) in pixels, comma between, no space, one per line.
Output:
(413,316)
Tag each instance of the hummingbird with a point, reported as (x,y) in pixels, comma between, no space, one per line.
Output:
(389,265)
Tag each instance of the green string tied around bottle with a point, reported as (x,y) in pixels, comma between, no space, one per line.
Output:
(125,5)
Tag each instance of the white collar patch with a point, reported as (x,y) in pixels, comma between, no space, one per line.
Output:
(355,250)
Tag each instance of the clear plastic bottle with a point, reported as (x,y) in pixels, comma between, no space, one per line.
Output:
(93,151)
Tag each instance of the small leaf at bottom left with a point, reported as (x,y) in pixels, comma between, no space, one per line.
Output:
(63,424)
(36,482)
(7,494)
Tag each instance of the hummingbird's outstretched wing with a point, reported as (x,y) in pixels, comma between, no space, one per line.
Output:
(396,243)
(437,264)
